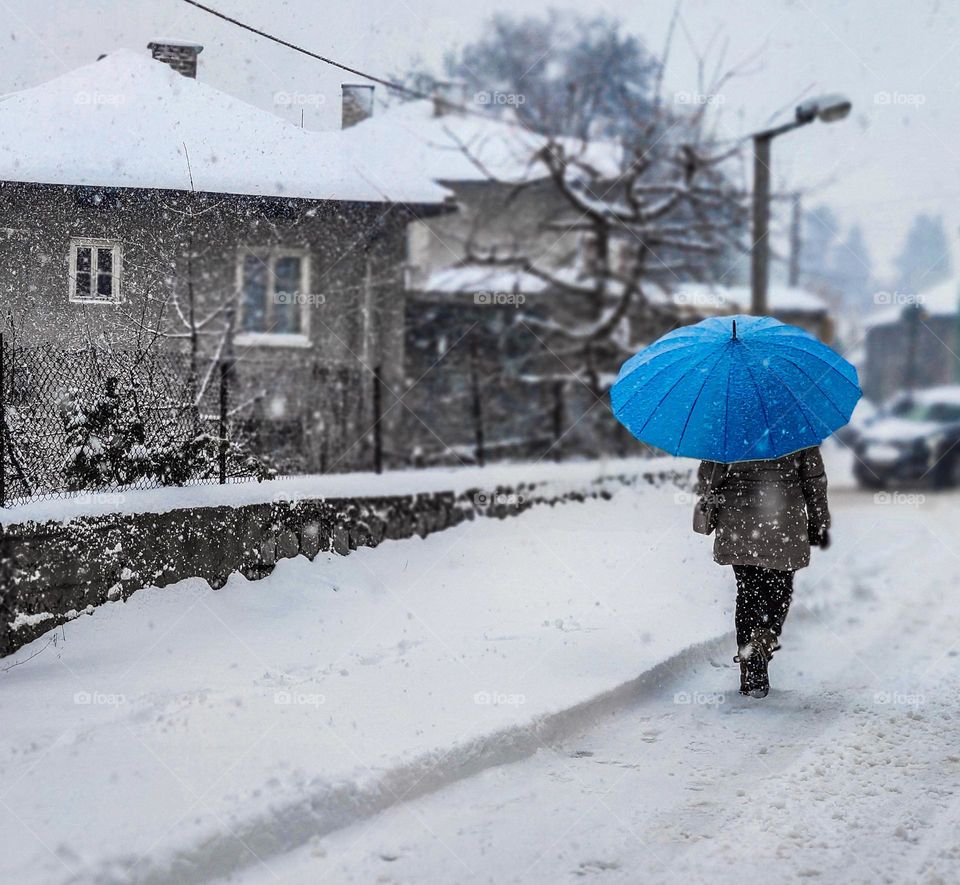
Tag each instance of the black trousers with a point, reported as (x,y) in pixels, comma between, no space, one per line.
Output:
(763,600)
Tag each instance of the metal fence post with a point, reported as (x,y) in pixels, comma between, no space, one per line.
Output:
(224,393)
(558,410)
(476,405)
(377,417)
(3,423)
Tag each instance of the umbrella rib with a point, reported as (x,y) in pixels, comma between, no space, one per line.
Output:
(799,403)
(696,399)
(653,411)
(766,420)
(815,384)
(662,353)
(636,392)
(817,356)
(726,408)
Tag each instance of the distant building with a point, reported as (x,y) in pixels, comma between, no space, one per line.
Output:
(457,312)
(913,342)
(508,206)
(789,304)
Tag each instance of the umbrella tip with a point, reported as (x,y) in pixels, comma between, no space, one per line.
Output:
(734,330)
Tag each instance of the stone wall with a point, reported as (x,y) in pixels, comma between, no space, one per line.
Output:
(53,572)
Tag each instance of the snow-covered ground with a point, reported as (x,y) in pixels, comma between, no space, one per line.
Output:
(537,699)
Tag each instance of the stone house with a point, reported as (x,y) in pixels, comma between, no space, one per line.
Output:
(138,204)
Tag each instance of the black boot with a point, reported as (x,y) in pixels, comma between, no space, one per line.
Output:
(753,658)
(754,681)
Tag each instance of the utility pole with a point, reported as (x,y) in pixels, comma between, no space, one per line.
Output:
(795,242)
(760,249)
(827,109)
(913,315)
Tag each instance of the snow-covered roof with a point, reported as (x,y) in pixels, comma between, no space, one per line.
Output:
(473,278)
(945,393)
(125,121)
(467,147)
(942,300)
(477,278)
(780,298)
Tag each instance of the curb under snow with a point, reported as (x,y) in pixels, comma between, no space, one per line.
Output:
(331,807)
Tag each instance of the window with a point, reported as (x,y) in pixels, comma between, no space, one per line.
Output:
(95,267)
(274,297)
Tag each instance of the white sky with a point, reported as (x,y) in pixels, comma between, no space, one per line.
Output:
(885,163)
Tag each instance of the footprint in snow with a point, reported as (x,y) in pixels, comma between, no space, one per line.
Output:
(589,867)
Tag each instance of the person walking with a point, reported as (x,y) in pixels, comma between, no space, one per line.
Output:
(751,398)
(767,515)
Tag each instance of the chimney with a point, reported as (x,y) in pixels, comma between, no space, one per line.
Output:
(356,104)
(449,97)
(180,55)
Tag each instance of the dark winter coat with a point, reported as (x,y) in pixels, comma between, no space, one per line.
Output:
(767,510)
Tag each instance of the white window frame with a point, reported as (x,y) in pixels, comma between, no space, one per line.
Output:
(274,339)
(116,273)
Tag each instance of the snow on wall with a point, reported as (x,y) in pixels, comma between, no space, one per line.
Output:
(55,571)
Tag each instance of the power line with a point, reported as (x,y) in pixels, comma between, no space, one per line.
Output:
(390,84)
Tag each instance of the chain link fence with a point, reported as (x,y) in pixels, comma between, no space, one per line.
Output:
(93,420)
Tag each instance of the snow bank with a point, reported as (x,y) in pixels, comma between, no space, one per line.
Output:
(198,725)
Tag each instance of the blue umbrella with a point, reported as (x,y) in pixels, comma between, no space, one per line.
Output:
(737,388)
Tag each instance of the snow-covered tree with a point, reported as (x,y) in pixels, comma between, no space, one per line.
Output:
(563,73)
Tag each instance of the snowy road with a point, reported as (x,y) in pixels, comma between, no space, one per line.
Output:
(848,772)
(540,699)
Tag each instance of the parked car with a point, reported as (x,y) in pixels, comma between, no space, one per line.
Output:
(915,437)
(863,414)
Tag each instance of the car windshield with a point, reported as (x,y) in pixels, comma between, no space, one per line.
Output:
(941,413)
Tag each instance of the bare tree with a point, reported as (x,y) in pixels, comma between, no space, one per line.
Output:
(661,205)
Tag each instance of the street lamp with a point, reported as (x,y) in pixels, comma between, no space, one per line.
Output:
(827,109)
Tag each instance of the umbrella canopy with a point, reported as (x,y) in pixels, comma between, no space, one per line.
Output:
(737,388)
